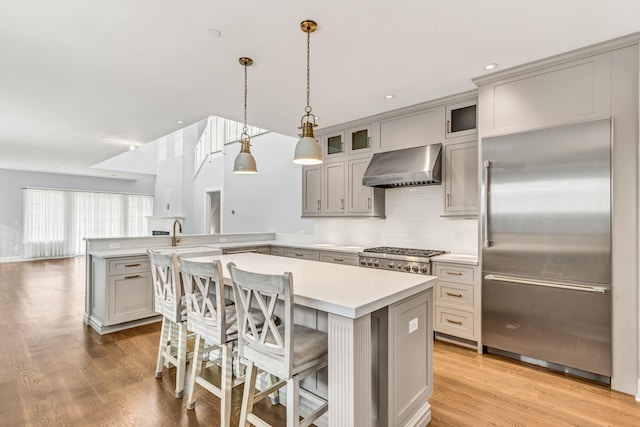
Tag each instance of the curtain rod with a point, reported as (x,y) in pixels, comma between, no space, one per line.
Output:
(86,191)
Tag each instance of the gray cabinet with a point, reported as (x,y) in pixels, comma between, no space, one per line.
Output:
(307,254)
(277,250)
(457,304)
(362,200)
(339,258)
(334,188)
(460,172)
(359,139)
(412,129)
(311,190)
(333,145)
(461,119)
(121,293)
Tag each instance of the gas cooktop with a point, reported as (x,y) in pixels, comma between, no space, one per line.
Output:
(404,251)
(408,260)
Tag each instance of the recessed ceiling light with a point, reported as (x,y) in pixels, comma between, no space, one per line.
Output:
(132,147)
(490,66)
(214,32)
(180,122)
(106,138)
(390,96)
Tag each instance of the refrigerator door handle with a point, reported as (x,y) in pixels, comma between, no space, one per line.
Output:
(592,289)
(486,166)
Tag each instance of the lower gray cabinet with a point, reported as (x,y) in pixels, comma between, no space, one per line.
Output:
(339,258)
(121,293)
(302,254)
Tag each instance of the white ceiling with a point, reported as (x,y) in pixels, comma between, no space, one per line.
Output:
(74,71)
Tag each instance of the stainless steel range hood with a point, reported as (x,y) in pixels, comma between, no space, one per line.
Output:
(408,167)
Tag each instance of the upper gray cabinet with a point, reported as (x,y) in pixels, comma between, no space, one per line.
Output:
(460,172)
(311,190)
(574,91)
(359,139)
(461,119)
(333,145)
(412,129)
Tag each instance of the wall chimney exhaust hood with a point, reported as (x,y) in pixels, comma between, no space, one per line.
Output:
(408,167)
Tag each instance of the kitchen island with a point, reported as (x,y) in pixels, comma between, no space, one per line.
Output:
(380,331)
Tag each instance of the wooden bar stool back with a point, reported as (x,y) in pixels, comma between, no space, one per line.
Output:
(288,351)
(214,323)
(169,302)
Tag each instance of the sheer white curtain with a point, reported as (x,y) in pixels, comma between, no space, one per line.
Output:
(56,221)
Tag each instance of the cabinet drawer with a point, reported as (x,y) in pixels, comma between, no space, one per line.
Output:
(302,254)
(129,265)
(455,322)
(277,250)
(454,294)
(339,258)
(454,273)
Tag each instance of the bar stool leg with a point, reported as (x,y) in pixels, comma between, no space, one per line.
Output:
(293,402)
(248,394)
(164,338)
(196,370)
(226,384)
(182,358)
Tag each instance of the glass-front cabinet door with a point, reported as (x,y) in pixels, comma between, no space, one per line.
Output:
(333,145)
(359,139)
(462,119)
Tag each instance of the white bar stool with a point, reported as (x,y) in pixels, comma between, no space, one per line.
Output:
(169,302)
(287,351)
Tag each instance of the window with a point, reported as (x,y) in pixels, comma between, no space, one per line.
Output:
(57,221)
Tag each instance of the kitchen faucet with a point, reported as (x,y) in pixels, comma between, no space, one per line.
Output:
(174,239)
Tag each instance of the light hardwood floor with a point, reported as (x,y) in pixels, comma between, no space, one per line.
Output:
(56,371)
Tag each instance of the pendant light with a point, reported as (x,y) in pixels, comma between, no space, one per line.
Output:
(308,150)
(245,163)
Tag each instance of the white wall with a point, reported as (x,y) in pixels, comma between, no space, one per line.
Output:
(11,215)
(412,220)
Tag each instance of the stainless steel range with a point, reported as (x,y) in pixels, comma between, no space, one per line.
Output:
(408,260)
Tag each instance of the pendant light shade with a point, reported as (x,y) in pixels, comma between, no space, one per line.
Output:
(244,162)
(308,151)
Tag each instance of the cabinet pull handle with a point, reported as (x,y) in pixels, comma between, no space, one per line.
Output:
(135,276)
(451,294)
(369,203)
(338,260)
(455,322)
(448,199)
(342,204)
(132,265)
(454,273)
(448,126)
(299,254)
(368,142)
(318,204)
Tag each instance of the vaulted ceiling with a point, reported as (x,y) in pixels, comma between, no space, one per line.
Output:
(81,80)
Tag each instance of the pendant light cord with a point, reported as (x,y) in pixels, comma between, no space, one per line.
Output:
(245,129)
(308,107)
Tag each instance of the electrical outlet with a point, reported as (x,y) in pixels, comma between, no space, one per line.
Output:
(413,325)
(114,245)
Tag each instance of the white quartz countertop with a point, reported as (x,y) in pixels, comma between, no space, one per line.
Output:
(456,259)
(344,290)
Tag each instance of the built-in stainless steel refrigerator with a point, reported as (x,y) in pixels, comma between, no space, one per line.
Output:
(546,246)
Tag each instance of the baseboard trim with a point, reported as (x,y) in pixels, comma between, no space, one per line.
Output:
(638,391)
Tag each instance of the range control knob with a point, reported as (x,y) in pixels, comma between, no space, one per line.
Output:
(414,268)
(399,267)
(390,265)
(423,269)
(407,267)
(363,262)
(376,263)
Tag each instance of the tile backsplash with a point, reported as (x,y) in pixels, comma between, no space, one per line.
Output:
(412,220)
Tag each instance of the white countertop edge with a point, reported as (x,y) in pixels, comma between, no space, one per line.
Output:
(456,259)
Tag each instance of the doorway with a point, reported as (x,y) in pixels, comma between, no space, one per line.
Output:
(213,211)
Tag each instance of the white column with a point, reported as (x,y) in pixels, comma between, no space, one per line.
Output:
(349,371)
